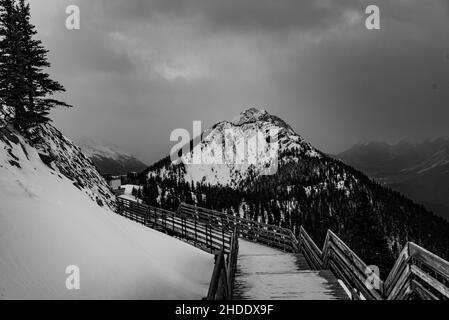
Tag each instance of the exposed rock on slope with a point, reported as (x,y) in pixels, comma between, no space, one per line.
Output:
(64,156)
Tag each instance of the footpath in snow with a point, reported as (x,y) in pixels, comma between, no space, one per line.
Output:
(264,273)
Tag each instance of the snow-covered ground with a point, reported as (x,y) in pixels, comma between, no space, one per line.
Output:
(47,224)
(128,193)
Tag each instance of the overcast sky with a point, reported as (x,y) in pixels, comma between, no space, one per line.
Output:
(137,69)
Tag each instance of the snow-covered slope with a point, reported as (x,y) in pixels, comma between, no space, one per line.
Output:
(47,224)
(65,157)
(110,159)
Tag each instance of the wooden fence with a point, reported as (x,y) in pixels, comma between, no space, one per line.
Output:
(206,234)
(222,282)
(203,231)
(273,236)
(417,273)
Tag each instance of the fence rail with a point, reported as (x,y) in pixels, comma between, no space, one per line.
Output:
(349,268)
(204,231)
(417,273)
(420,272)
(277,237)
(222,282)
(204,234)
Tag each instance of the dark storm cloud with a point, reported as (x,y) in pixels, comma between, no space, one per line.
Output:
(240,14)
(97,53)
(267,15)
(138,69)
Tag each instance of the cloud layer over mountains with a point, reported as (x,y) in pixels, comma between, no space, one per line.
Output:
(138,69)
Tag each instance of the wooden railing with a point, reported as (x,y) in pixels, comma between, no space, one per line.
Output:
(273,236)
(420,273)
(358,277)
(119,192)
(417,272)
(205,234)
(222,282)
(309,249)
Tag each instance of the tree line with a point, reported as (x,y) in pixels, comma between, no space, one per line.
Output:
(25,87)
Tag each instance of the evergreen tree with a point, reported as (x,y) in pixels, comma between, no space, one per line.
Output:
(24,86)
(11,98)
(365,233)
(37,84)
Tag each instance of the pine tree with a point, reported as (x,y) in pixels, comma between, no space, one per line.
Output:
(365,234)
(24,85)
(10,96)
(37,84)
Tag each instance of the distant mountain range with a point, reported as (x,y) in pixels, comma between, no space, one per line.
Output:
(418,169)
(308,188)
(110,159)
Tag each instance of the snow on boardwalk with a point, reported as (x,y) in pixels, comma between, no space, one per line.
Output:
(267,273)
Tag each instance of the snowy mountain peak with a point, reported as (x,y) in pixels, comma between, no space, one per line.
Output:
(249,115)
(92,148)
(254,115)
(254,143)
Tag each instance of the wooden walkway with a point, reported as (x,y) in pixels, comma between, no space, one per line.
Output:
(269,274)
(283,266)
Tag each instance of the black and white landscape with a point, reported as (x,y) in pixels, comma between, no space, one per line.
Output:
(309,189)
(154,149)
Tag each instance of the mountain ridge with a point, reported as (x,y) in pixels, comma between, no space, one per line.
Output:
(110,159)
(419,169)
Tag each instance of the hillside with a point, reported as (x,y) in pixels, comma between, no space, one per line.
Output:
(66,158)
(51,218)
(419,169)
(308,188)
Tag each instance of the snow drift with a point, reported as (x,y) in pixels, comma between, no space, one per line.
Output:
(47,224)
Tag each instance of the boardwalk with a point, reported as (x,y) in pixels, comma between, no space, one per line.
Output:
(260,272)
(267,273)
